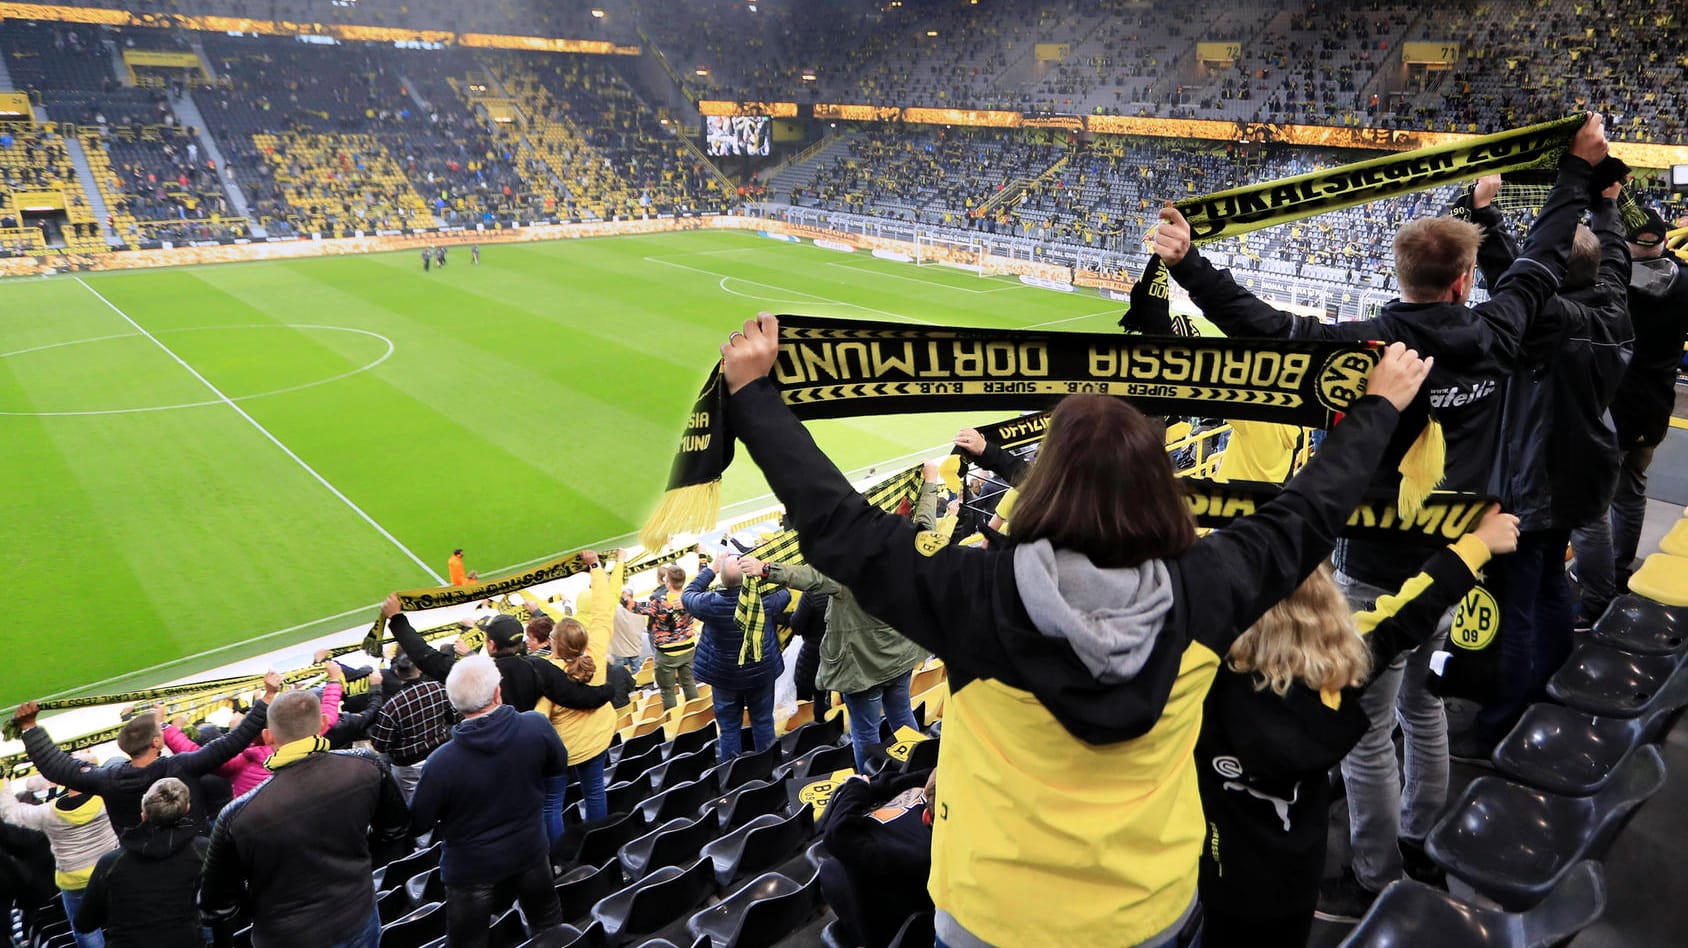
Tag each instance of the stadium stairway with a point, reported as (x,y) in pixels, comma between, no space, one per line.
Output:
(119,70)
(6,77)
(415,96)
(187,110)
(90,187)
(205,62)
(801,169)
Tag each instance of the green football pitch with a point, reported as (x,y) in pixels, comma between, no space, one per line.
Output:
(205,463)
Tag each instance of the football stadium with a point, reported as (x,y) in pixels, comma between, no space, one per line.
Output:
(850,473)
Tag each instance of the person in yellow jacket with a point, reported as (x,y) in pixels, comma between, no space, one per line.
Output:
(80,833)
(582,652)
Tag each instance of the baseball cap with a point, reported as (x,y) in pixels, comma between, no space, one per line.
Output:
(504,631)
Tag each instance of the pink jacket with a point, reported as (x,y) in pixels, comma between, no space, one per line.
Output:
(246,771)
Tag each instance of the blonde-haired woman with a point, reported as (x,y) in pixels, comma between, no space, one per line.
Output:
(582,652)
(1285,710)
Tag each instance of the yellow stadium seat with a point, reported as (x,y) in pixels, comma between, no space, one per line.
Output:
(1662,578)
(645,727)
(694,721)
(1676,541)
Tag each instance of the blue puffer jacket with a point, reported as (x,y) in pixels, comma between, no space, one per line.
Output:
(717,660)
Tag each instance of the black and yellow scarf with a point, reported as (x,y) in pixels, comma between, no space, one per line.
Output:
(833,368)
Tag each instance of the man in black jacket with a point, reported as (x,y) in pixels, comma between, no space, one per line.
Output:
(1658,306)
(294,856)
(526,678)
(1560,455)
(1476,351)
(142,739)
(141,894)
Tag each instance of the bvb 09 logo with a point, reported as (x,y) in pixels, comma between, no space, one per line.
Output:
(1476,620)
(1343,379)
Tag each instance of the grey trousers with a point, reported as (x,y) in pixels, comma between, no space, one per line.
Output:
(1380,812)
(407,776)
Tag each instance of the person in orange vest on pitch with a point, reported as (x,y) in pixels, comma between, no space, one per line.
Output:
(454,568)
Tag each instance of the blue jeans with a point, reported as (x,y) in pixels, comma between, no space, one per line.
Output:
(367,937)
(887,701)
(590,775)
(730,706)
(72,900)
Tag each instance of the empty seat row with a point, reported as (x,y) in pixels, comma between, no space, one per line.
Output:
(1571,774)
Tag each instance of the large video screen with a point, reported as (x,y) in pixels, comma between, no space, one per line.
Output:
(738,134)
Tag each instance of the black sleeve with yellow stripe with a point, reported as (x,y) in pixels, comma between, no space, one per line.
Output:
(1401,621)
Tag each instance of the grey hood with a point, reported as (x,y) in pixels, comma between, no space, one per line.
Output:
(1110,617)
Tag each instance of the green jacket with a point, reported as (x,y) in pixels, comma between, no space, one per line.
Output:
(859,650)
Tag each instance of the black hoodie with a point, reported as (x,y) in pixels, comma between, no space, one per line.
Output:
(1261,759)
(142,893)
(1477,349)
(1560,457)
(1658,305)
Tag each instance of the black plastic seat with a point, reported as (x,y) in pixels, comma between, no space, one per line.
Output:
(1514,843)
(819,762)
(1642,626)
(812,736)
(747,767)
(625,796)
(682,768)
(1563,750)
(918,930)
(693,741)
(674,843)
(570,937)
(508,931)
(1411,913)
(595,843)
(834,936)
(683,799)
(816,853)
(582,888)
(420,927)
(923,756)
(642,744)
(758,915)
(393,905)
(632,766)
(426,887)
(394,874)
(763,843)
(653,902)
(1611,682)
(760,797)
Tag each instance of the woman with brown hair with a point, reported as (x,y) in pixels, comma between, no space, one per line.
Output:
(1282,713)
(1078,655)
(582,651)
